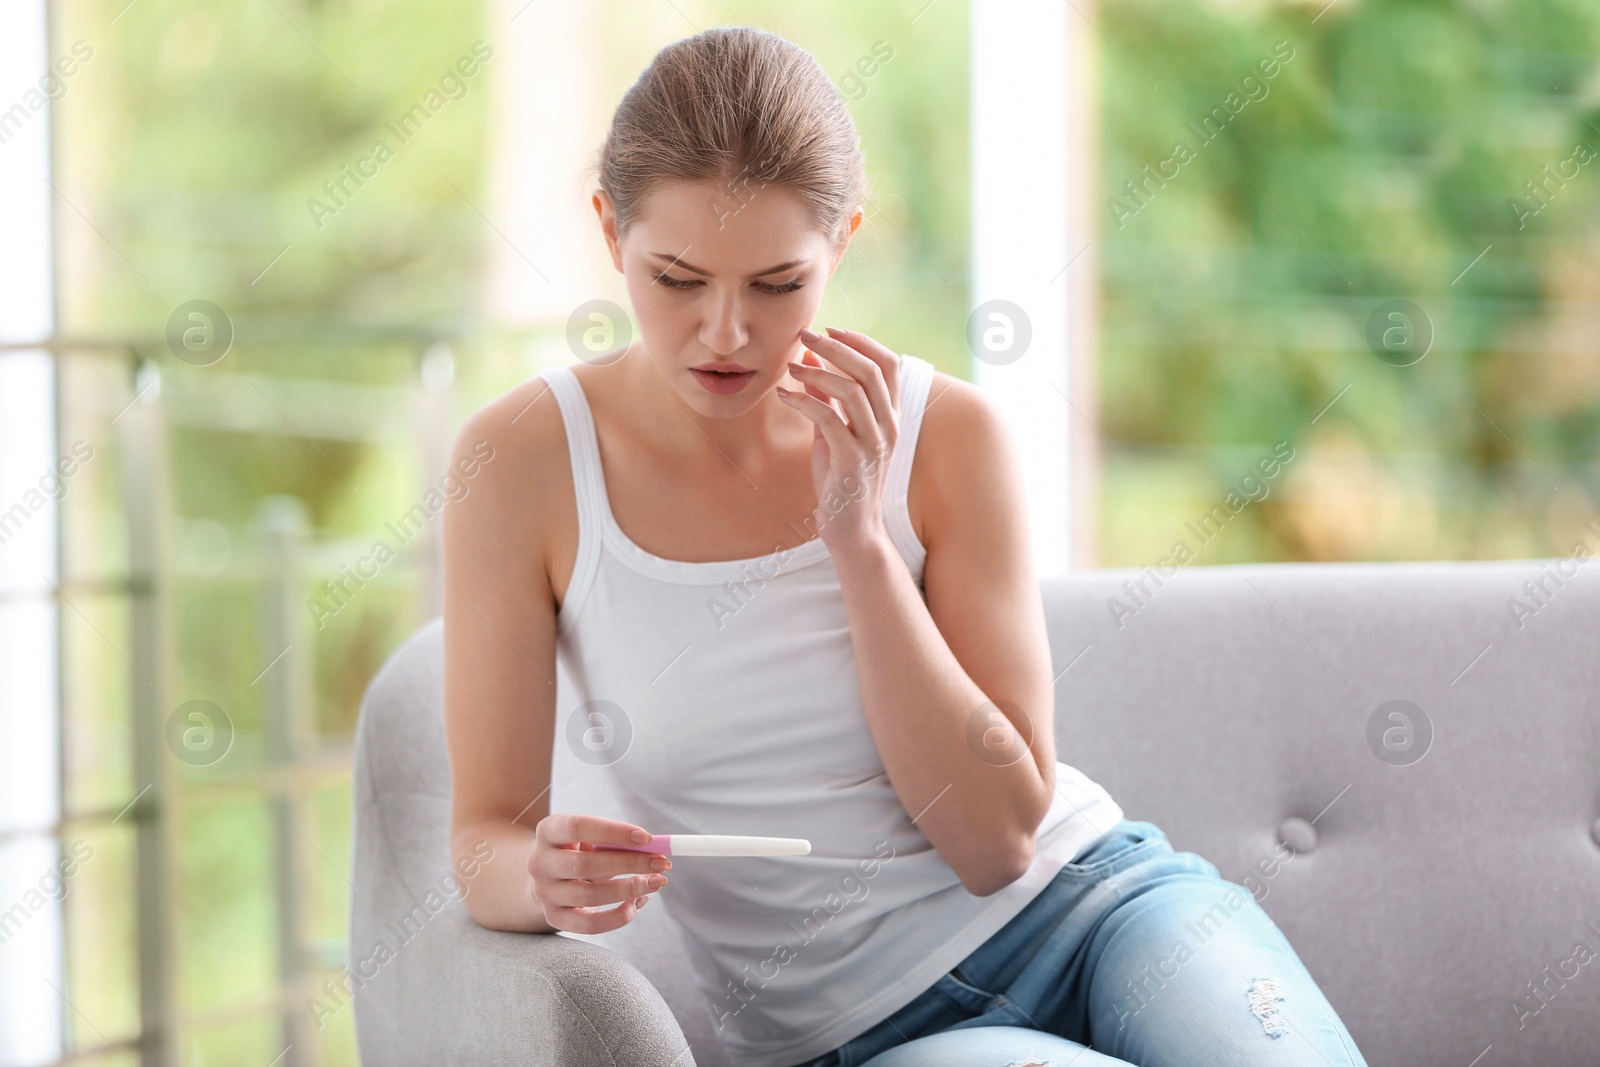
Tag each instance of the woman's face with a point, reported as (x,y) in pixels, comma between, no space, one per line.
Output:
(699,265)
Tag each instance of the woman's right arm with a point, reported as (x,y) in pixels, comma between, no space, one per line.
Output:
(500,692)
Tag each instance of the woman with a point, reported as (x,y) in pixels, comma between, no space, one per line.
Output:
(788,578)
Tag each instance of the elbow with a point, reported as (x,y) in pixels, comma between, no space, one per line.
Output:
(491,921)
(1011,855)
(998,874)
(474,913)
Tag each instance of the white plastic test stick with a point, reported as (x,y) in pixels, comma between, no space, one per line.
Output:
(736,845)
(717,845)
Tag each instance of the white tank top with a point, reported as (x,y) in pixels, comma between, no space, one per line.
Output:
(723,698)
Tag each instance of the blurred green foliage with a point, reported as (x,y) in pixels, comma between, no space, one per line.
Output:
(1385,159)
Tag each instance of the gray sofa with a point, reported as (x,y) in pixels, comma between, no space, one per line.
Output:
(1444,883)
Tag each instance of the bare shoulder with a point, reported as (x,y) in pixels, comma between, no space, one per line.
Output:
(527,487)
(961,444)
(522,424)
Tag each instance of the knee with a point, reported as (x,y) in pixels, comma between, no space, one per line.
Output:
(1264,999)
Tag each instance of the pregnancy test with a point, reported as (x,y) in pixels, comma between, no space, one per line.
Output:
(716,845)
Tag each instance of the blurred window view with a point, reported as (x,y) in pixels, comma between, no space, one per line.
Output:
(1345,309)
(1365,230)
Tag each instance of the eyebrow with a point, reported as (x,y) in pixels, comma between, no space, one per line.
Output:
(758,274)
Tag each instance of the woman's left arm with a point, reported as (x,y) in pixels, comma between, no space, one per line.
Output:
(957,690)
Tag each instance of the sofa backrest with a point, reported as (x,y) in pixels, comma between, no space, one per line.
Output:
(1426,735)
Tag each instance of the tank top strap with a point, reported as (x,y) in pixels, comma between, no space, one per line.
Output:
(588,485)
(916,376)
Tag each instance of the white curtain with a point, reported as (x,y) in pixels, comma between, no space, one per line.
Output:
(31,1010)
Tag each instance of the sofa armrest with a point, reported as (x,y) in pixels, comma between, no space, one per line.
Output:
(429,985)
(463,994)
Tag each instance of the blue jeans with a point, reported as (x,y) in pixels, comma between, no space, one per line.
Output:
(1134,954)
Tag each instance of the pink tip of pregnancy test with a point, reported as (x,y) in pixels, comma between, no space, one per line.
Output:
(660,845)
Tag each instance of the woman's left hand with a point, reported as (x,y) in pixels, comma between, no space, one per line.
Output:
(855,409)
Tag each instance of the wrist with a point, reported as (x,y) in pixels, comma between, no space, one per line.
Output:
(866,552)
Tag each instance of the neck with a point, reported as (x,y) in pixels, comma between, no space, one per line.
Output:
(753,440)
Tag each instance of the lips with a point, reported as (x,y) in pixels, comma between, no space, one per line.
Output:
(722,383)
(723,368)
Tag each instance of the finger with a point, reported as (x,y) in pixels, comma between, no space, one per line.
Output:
(587,862)
(867,361)
(809,358)
(887,359)
(848,392)
(570,830)
(579,892)
(861,356)
(568,850)
(593,921)
(827,419)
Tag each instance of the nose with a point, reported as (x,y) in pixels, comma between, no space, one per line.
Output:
(724,330)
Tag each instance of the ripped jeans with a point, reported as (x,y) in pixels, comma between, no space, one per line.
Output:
(1134,954)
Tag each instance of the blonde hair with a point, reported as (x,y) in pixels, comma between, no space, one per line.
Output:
(740,107)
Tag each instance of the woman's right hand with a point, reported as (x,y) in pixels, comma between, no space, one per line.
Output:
(571,879)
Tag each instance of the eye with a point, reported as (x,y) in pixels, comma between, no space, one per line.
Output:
(773,290)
